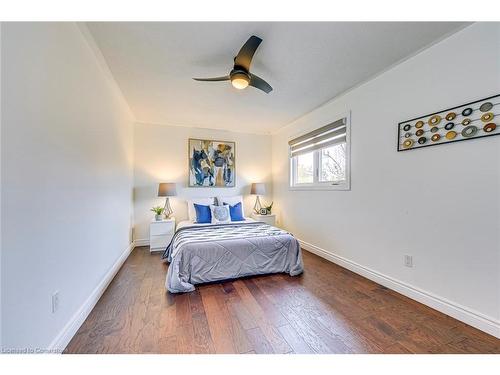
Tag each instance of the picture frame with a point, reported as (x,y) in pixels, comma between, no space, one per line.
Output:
(211,163)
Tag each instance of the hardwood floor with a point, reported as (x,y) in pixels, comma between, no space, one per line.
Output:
(327,310)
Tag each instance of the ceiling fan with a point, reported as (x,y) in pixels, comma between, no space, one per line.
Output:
(240,75)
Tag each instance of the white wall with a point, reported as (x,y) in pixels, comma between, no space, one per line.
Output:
(440,204)
(67,175)
(0,185)
(161,155)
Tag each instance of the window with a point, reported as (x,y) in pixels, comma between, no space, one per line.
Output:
(332,165)
(305,168)
(320,159)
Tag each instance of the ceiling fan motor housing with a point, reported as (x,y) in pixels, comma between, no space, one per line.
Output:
(240,78)
(237,70)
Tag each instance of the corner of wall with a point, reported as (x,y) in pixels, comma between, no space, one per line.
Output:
(113,83)
(90,41)
(1,294)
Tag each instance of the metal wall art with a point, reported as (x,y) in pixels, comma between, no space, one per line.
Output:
(468,121)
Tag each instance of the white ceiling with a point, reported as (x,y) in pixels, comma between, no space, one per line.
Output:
(306,63)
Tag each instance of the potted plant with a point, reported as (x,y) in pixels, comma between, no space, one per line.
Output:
(158,212)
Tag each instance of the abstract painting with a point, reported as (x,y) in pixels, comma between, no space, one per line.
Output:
(211,163)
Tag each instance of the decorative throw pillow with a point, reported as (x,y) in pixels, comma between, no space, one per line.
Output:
(202,201)
(232,201)
(220,214)
(203,214)
(235,211)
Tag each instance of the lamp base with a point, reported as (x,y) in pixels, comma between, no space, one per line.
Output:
(257,205)
(167,210)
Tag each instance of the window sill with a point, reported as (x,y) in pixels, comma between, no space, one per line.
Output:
(340,187)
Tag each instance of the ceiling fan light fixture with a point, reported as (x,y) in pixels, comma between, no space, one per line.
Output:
(240,80)
(240,75)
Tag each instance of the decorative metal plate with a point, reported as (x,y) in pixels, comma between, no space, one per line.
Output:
(434,120)
(408,143)
(422,140)
(451,135)
(485,107)
(467,111)
(487,117)
(435,137)
(488,128)
(450,116)
(469,131)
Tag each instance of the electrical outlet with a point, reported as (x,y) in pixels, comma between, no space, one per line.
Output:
(408,261)
(55,302)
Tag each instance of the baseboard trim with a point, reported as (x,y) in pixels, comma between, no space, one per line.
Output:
(145,242)
(142,242)
(476,319)
(70,329)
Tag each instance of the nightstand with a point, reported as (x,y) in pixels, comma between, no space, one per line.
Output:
(268,219)
(161,233)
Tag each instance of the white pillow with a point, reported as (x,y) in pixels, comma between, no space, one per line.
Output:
(220,214)
(202,201)
(232,201)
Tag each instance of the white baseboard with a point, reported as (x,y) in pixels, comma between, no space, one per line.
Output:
(141,242)
(455,310)
(145,242)
(70,329)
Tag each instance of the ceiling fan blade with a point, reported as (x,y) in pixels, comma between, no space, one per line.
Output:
(215,79)
(244,57)
(260,84)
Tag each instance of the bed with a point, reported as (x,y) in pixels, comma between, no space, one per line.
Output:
(201,253)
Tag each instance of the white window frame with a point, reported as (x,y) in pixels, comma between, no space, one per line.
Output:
(317,184)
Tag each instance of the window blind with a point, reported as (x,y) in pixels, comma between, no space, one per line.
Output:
(328,135)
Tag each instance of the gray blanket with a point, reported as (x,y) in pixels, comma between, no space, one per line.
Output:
(227,251)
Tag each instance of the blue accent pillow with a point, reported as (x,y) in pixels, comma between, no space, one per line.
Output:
(203,214)
(236,212)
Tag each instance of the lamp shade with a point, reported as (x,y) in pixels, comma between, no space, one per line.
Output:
(258,188)
(167,189)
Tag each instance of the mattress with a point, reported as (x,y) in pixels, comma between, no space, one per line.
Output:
(212,252)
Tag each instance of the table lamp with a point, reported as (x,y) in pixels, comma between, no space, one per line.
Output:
(167,189)
(258,188)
